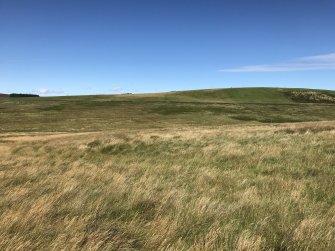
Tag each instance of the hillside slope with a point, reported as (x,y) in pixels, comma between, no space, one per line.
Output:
(173,109)
(232,95)
(252,95)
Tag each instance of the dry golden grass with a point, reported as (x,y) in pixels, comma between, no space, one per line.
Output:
(220,188)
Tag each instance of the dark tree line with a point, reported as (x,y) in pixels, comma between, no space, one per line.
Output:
(21,95)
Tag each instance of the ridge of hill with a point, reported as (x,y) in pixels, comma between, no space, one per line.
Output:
(227,95)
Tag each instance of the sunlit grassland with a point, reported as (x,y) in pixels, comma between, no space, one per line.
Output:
(233,187)
(163,110)
(226,169)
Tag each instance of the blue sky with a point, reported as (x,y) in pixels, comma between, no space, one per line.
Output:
(67,47)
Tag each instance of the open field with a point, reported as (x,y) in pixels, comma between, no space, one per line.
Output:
(163,110)
(211,170)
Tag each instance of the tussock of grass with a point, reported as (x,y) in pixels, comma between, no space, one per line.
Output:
(115,149)
(307,129)
(94,143)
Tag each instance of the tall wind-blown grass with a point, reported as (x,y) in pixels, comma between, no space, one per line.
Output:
(224,188)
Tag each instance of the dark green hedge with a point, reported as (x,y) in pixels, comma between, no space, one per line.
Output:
(20,95)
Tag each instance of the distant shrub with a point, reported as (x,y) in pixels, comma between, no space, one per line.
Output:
(22,95)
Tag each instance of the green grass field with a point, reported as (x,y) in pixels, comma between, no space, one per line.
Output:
(192,108)
(225,169)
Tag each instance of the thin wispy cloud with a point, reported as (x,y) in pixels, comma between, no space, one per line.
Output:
(116,89)
(318,62)
(44,91)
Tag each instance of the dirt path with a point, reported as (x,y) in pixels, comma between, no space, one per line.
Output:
(40,136)
(44,136)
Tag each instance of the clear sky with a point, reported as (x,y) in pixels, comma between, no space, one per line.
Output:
(63,47)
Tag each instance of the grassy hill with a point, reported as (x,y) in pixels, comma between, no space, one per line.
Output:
(249,95)
(201,108)
(237,95)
